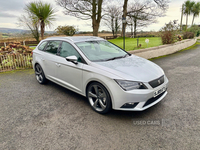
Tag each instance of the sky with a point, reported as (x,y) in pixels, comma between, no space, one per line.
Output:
(10,10)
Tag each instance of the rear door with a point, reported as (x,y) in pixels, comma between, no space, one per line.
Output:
(49,59)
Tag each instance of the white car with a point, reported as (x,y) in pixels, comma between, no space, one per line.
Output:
(108,76)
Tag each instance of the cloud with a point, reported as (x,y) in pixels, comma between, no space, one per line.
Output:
(6,14)
(12,5)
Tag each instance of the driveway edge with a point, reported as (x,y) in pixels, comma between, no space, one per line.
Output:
(162,50)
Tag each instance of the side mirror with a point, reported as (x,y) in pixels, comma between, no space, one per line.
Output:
(72,59)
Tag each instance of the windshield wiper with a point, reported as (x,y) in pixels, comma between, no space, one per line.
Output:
(114,58)
(117,57)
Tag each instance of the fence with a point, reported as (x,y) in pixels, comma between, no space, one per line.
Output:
(11,62)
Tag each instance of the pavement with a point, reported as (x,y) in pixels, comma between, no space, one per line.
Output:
(43,117)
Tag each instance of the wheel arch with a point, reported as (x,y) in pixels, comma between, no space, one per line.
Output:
(105,86)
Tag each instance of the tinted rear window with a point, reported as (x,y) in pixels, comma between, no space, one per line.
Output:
(42,45)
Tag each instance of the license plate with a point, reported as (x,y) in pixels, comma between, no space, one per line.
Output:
(158,92)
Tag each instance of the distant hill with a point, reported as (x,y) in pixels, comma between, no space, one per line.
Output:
(9,30)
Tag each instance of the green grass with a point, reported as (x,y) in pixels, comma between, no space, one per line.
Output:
(131,43)
(32,47)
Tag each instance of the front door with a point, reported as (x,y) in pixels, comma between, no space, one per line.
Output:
(69,74)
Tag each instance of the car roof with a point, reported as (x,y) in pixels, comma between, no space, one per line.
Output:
(76,38)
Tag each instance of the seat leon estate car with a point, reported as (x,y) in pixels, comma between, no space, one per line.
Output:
(108,76)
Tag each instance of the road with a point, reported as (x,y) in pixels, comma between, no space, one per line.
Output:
(34,116)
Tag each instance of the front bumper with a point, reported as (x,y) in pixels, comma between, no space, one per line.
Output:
(141,99)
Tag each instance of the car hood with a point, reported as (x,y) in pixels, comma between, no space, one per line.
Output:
(132,68)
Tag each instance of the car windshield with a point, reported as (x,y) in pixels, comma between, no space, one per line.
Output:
(101,50)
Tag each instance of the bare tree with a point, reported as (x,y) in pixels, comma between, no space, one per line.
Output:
(124,14)
(85,10)
(28,23)
(162,4)
(143,14)
(113,18)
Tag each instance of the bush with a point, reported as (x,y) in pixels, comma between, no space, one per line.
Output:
(66,30)
(167,37)
(195,29)
(169,32)
(188,35)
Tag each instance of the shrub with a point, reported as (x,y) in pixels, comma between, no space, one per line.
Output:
(66,30)
(167,37)
(188,35)
(195,29)
(169,32)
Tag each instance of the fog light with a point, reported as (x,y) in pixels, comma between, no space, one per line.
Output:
(129,105)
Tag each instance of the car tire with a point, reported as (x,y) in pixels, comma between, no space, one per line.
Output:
(39,74)
(99,98)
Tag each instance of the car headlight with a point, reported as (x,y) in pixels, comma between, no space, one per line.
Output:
(130,85)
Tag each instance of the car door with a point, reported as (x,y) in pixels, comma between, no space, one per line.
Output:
(69,73)
(49,59)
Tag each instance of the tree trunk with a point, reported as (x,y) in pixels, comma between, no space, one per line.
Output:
(42,29)
(193,20)
(124,15)
(135,27)
(181,19)
(95,28)
(186,22)
(96,15)
(112,25)
(132,30)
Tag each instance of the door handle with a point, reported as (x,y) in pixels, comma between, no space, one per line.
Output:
(42,59)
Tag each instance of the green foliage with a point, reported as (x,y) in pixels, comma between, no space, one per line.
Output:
(13,61)
(66,30)
(169,32)
(194,29)
(41,13)
(188,35)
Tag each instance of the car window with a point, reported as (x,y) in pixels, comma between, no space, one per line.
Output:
(42,45)
(52,47)
(68,50)
(100,50)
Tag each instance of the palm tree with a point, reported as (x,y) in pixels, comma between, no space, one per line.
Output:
(42,14)
(182,9)
(187,9)
(195,10)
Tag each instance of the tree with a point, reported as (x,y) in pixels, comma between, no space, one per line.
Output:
(195,11)
(27,22)
(162,4)
(187,9)
(42,14)
(113,18)
(85,10)
(66,30)
(169,32)
(124,15)
(143,14)
(182,11)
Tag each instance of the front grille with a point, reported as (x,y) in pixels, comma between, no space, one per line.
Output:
(153,99)
(157,82)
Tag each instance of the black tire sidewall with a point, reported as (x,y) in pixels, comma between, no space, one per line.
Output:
(43,75)
(108,101)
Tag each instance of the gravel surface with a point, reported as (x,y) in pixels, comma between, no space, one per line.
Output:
(42,117)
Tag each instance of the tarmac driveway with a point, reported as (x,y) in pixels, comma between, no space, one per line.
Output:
(34,116)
